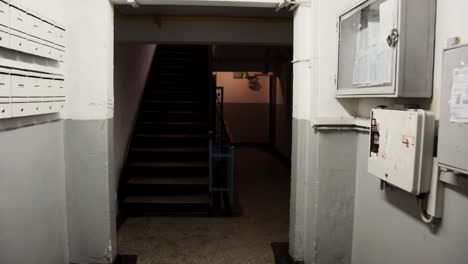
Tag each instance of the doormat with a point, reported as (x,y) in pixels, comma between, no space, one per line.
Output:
(281,253)
(126,259)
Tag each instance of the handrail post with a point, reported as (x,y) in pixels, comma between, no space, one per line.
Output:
(210,162)
(220,147)
(231,176)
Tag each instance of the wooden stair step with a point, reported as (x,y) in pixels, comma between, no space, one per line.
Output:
(176,52)
(178,164)
(166,172)
(172,59)
(170,111)
(187,123)
(171,102)
(168,180)
(176,150)
(167,199)
(159,91)
(172,136)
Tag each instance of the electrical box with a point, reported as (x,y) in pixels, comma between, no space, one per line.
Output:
(401,148)
(386,49)
(453,124)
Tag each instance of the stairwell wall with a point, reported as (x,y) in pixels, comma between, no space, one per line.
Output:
(246,109)
(132,63)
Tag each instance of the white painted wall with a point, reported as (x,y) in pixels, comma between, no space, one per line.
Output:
(397,210)
(90,45)
(52,9)
(327,41)
(47,218)
(132,65)
(238,90)
(33,221)
(246,110)
(304,61)
(316,40)
(451,21)
(89,157)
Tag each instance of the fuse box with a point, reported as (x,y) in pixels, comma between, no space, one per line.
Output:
(401,148)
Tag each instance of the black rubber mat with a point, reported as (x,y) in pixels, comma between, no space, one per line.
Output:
(126,259)
(281,252)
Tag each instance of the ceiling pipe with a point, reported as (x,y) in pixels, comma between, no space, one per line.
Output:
(291,5)
(226,3)
(133,3)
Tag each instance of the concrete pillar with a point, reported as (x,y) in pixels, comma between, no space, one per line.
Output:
(303,91)
(90,181)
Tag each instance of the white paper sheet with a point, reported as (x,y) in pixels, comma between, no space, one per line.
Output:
(373,66)
(374,34)
(374,58)
(459,96)
(387,18)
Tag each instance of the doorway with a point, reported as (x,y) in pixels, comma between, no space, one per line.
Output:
(262,163)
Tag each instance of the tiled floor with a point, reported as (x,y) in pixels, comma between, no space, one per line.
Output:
(264,194)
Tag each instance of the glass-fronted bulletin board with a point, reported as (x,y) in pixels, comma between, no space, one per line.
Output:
(377,45)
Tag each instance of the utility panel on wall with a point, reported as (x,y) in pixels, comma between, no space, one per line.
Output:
(453,127)
(31,48)
(401,148)
(386,49)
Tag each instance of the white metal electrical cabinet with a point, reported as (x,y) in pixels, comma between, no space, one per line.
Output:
(453,126)
(401,148)
(386,49)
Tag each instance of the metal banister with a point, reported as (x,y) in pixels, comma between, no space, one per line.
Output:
(220,151)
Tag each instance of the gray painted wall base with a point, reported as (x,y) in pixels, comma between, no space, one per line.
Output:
(350,220)
(323,188)
(299,170)
(388,230)
(32,195)
(90,191)
(335,199)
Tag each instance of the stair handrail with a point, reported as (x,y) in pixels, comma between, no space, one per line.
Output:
(220,147)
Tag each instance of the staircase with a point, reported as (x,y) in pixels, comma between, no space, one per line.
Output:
(166,172)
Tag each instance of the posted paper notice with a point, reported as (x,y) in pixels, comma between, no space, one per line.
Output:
(459,96)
